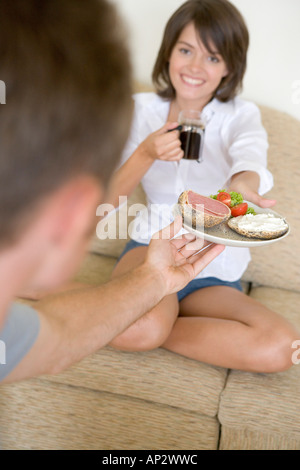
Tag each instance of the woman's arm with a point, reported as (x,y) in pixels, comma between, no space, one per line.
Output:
(247,183)
(160,145)
(247,143)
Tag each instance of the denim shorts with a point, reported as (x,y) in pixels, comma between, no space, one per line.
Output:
(195,284)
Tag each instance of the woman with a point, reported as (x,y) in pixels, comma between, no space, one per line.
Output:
(200,66)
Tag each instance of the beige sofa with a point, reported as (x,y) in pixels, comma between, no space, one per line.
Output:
(159,400)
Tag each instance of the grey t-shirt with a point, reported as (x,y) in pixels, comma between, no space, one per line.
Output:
(17,336)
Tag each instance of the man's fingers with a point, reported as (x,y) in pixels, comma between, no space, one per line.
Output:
(202,259)
(193,247)
(182,241)
(188,244)
(169,232)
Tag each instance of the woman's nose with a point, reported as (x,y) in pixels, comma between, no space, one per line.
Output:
(197,63)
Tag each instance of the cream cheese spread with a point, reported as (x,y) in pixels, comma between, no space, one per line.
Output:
(261,223)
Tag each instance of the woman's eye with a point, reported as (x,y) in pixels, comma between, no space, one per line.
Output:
(184,51)
(213,59)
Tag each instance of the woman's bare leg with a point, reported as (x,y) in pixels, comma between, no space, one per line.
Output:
(224,327)
(150,331)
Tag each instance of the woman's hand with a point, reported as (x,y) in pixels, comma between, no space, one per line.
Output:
(247,184)
(163,145)
(252,196)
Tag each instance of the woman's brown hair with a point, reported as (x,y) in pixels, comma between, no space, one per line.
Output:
(219,24)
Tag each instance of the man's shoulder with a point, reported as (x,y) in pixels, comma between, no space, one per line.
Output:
(17,335)
(20,308)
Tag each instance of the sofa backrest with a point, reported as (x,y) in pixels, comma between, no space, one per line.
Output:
(278,265)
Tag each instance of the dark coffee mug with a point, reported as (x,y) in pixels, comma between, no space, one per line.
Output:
(192,134)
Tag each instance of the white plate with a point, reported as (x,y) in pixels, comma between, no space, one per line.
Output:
(223,235)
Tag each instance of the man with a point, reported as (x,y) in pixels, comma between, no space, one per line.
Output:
(62,130)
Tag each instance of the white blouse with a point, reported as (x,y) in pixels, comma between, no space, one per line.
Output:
(235,141)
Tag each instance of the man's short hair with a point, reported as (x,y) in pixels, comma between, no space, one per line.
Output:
(67,73)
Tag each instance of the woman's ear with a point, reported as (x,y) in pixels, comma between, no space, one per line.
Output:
(226,73)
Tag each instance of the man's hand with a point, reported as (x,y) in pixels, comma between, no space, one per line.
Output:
(179,260)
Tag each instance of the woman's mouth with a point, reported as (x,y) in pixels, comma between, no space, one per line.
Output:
(192,81)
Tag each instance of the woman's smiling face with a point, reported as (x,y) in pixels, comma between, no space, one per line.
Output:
(195,72)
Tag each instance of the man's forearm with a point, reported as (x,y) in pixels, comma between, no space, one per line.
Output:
(79,322)
(87,319)
(76,323)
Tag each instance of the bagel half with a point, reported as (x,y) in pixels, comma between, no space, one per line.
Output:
(263,234)
(201,211)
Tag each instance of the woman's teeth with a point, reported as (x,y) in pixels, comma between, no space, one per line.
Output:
(192,81)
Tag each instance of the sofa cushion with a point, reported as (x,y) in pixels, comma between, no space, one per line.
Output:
(95,269)
(42,415)
(186,384)
(243,439)
(266,403)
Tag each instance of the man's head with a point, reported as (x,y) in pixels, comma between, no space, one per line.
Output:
(68,108)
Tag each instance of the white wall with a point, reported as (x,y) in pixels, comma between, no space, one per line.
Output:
(273,75)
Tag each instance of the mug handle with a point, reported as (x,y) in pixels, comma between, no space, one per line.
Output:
(178,128)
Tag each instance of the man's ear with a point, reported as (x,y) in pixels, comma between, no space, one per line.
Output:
(74,210)
(64,225)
